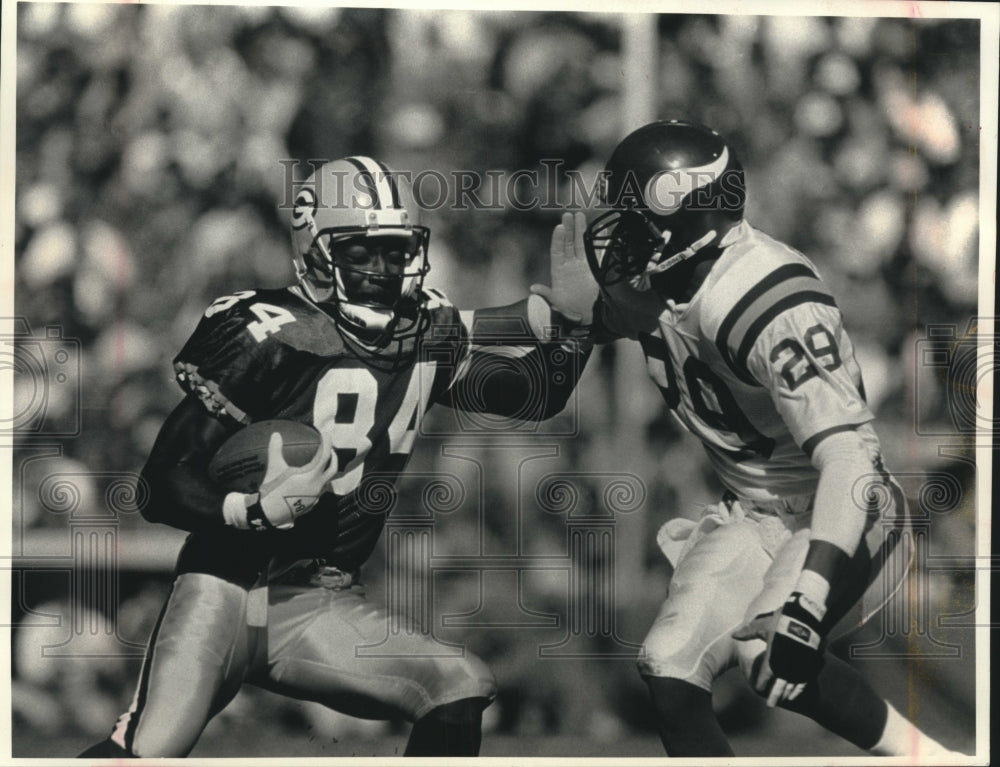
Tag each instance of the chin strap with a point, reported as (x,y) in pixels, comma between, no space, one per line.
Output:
(369,336)
(642,281)
(369,319)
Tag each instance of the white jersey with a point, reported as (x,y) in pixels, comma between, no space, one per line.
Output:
(757,365)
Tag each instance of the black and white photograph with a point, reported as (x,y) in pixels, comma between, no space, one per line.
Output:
(532,382)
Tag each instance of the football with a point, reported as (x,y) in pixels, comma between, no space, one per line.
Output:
(239,465)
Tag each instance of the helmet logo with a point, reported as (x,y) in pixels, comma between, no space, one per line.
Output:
(304,209)
(667,190)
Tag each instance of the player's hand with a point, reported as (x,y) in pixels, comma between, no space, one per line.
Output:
(573,290)
(288,492)
(794,647)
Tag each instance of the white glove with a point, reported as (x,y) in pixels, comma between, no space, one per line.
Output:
(574,288)
(286,493)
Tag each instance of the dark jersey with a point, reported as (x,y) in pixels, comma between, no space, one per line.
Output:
(262,354)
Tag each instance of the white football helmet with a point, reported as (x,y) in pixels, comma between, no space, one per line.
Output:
(346,203)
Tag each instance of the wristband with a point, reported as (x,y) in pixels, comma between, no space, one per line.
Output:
(813,591)
(234,510)
(826,559)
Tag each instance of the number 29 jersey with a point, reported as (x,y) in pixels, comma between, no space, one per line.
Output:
(757,364)
(263,354)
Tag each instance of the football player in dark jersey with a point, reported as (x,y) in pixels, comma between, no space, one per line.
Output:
(748,347)
(266,592)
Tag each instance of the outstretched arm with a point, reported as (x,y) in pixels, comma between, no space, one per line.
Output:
(524,359)
(562,311)
(521,363)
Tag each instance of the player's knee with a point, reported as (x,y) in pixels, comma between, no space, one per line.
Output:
(680,660)
(487,681)
(476,669)
(660,653)
(648,664)
(468,678)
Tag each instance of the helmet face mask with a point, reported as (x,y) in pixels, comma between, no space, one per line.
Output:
(674,188)
(373,269)
(619,244)
(366,268)
(376,278)
(360,253)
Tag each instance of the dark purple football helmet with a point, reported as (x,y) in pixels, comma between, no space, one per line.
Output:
(674,188)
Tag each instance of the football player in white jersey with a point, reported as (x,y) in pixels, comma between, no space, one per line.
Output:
(749,350)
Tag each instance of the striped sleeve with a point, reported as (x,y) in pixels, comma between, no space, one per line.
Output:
(784,288)
(224,366)
(805,360)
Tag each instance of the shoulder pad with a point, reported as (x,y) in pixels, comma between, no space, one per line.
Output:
(242,338)
(759,279)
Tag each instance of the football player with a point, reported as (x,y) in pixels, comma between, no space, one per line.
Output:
(267,591)
(748,348)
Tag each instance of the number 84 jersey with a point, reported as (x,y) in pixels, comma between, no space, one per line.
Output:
(262,354)
(757,365)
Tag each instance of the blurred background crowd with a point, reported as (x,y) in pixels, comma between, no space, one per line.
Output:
(150,142)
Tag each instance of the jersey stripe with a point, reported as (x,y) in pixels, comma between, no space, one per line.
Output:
(741,307)
(142,692)
(778,275)
(764,319)
(208,391)
(783,288)
(810,444)
(893,558)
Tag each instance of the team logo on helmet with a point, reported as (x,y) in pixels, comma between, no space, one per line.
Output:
(304,208)
(674,188)
(668,189)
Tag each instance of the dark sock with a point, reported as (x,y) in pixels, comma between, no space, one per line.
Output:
(687,723)
(106,749)
(454,729)
(843,702)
